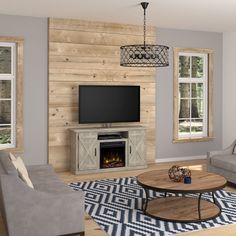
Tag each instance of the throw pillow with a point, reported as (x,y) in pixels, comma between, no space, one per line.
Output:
(234,150)
(12,157)
(25,178)
(22,171)
(19,164)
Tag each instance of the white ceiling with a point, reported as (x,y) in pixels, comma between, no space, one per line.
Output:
(205,15)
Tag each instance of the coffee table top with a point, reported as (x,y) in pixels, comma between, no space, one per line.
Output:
(202,181)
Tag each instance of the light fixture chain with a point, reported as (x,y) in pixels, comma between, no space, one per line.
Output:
(144,28)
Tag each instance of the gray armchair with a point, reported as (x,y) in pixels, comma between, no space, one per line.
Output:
(223,162)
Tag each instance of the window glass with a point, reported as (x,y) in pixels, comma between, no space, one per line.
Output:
(5,134)
(184,90)
(197,108)
(5,112)
(5,89)
(184,126)
(197,90)
(184,66)
(184,108)
(197,67)
(5,60)
(196,126)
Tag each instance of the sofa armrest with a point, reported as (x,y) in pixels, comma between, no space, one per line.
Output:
(224,152)
(218,153)
(31,212)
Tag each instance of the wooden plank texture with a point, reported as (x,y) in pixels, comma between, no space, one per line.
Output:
(96,38)
(185,209)
(92,26)
(95,76)
(84,52)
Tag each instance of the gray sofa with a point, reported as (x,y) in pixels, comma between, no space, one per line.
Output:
(51,208)
(223,163)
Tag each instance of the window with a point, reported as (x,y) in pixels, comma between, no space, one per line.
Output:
(7,94)
(192,94)
(11,73)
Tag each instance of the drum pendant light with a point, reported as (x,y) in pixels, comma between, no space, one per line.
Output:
(144,55)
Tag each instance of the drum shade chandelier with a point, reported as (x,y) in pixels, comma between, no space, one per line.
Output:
(144,55)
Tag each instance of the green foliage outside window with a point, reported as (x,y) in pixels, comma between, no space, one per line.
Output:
(196,67)
(5,136)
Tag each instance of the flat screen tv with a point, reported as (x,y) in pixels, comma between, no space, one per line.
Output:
(108,104)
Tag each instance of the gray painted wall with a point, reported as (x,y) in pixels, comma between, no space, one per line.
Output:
(229,95)
(164,94)
(34,32)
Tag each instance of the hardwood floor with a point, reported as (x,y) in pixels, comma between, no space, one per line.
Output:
(226,230)
(69,178)
(92,229)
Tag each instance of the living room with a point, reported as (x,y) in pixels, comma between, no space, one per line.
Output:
(52,72)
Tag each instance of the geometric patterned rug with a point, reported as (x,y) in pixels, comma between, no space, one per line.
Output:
(115,204)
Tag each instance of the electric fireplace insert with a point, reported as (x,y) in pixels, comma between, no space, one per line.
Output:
(112,154)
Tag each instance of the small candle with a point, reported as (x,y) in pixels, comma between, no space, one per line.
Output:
(187,180)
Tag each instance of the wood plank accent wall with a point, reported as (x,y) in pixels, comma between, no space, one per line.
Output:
(84,52)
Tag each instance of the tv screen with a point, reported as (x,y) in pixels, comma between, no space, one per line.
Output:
(108,104)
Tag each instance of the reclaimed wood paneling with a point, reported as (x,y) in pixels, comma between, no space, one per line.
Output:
(84,52)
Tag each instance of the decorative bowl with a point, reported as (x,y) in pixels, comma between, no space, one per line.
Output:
(177,173)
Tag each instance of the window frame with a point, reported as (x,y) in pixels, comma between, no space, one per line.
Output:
(208,116)
(16,94)
(10,77)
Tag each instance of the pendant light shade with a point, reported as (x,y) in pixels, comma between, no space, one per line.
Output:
(144,55)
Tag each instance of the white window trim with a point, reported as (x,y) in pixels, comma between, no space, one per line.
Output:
(207,134)
(12,78)
(204,81)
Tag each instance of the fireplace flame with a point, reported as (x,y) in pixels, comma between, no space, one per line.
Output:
(112,160)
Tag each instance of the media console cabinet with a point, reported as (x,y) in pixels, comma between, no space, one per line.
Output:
(107,149)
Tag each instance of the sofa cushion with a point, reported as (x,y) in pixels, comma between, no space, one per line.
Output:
(7,164)
(53,187)
(33,168)
(224,162)
(2,171)
(42,176)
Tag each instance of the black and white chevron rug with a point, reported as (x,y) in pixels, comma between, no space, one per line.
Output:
(115,204)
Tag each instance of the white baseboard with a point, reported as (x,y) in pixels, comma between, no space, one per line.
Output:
(173,159)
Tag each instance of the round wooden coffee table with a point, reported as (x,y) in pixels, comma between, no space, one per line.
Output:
(181,208)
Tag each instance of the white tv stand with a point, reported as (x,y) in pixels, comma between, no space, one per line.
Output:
(86,143)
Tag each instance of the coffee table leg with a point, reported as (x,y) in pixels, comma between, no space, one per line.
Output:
(199,206)
(144,206)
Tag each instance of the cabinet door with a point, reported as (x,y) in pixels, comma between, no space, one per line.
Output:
(137,150)
(88,151)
